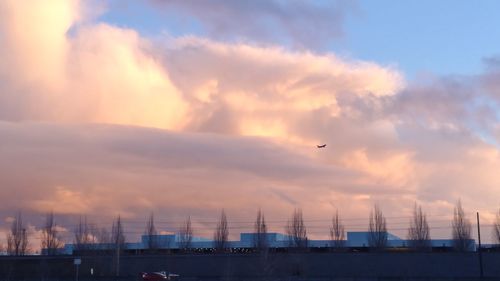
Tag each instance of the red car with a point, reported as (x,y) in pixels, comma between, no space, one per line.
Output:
(158,276)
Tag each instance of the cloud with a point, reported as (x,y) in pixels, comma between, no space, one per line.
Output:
(100,73)
(98,119)
(492,62)
(301,24)
(221,81)
(56,75)
(103,170)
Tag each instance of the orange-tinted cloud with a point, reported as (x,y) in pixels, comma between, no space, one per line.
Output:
(62,68)
(235,127)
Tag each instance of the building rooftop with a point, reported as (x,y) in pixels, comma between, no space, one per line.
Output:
(274,240)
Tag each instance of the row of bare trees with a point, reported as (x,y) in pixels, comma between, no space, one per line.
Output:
(17,237)
(377,235)
(419,232)
(51,238)
(88,236)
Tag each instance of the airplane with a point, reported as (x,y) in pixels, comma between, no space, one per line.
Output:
(321,146)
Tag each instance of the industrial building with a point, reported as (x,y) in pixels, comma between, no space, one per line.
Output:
(355,240)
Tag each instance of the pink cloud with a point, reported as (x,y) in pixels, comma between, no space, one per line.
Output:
(98,119)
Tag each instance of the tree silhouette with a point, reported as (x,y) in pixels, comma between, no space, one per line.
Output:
(260,233)
(117,234)
(17,238)
(51,240)
(118,241)
(462,228)
(151,233)
(377,229)
(83,235)
(296,230)
(101,237)
(337,232)
(221,233)
(185,235)
(418,232)
(496,229)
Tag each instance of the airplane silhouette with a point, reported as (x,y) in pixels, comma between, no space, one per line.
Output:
(321,146)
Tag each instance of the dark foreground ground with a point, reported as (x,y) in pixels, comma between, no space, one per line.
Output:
(247,267)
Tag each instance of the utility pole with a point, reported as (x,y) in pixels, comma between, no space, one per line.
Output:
(480,254)
(118,259)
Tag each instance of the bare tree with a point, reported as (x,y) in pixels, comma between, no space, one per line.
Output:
(462,228)
(419,237)
(100,237)
(82,233)
(117,234)
(51,240)
(260,235)
(99,240)
(296,230)
(17,238)
(221,233)
(118,240)
(496,229)
(151,233)
(186,235)
(337,232)
(377,229)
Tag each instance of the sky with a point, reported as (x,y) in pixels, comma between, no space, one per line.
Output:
(185,107)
